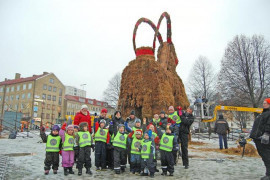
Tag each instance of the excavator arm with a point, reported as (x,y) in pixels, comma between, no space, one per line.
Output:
(231,108)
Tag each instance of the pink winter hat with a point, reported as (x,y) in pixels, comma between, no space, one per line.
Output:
(70,127)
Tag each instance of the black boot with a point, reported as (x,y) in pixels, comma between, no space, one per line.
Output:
(171,174)
(164,173)
(79,172)
(70,170)
(65,171)
(88,171)
(265,178)
(152,175)
(117,171)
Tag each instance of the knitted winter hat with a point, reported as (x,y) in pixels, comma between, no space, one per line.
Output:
(84,107)
(267,100)
(64,126)
(171,108)
(162,112)
(137,121)
(138,131)
(70,127)
(102,121)
(104,110)
(149,132)
(55,128)
(76,127)
(132,112)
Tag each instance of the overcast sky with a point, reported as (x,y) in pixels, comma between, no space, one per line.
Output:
(88,43)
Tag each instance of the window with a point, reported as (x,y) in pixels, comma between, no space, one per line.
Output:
(60,101)
(23,96)
(81,100)
(29,95)
(52,80)
(60,92)
(90,101)
(54,89)
(47,116)
(1,89)
(16,107)
(99,103)
(53,107)
(53,116)
(30,86)
(49,97)
(12,89)
(11,97)
(6,98)
(54,98)
(7,89)
(45,86)
(43,96)
(22,106)
(0,98)
(50,88)
(42,115)
(48,106)
(17,97)
(24,86)
(18,87)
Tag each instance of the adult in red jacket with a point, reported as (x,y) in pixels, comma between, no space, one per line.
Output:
(83,116)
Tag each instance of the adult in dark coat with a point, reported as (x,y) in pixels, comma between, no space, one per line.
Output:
(183,135)
(260,134)
(116,120)
(222,128)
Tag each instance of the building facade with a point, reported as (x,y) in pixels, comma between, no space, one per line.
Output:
(73,105)
(40,97)
(73,91)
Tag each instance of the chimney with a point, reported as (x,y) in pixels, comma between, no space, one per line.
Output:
(45,73)
(17,76)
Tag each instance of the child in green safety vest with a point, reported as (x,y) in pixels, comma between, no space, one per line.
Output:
(85,141)
(120,149)
(67,149)
(53,146)
(76,147)
(101,137)
(147,155)
(168,145)
(156,141)
(135,154)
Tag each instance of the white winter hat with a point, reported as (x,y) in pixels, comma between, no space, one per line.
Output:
(84,107)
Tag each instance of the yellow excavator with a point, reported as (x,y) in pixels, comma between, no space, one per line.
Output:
(229,108)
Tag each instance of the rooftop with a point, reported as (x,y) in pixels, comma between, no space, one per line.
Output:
(87,101)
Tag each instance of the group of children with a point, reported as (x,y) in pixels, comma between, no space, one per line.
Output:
(139,148)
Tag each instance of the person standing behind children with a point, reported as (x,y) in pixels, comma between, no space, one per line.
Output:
(85,141)
(168,144)
(135,154)
(67,149)
(102,138)
(147,154)
(222,128)
(53,146)
(120,150)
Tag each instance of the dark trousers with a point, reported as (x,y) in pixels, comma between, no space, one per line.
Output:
(167,161)
(224,138)
(135,163)
(149,163)
(120,158)
(264,152)
(184,148)
(84,157)
(52,159)
(76,154)
(100,154)
(109,158)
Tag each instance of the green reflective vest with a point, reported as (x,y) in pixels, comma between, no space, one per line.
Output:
(120,140)
(156,121)
(136,143)
(166,143)
(146,150)
(174,116)
(69,143)
(101,135)
(85,139)
(134,129)
(53,143)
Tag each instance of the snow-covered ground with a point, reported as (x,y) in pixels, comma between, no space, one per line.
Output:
(29,163)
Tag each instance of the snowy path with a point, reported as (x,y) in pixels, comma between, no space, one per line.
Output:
(29,164)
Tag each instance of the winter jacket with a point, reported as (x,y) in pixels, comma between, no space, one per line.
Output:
(221,126)
(80,117)
(186,123)
(113,128)
(175,139)
(130,123)
(44,138)
(261,124)
(108,135)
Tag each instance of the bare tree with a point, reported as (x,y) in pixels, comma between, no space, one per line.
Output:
(202,78)
(112,92)
(245,71)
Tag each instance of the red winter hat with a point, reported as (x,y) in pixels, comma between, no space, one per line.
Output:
(64,126)
(267,100)
(104,110)
(138,131)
